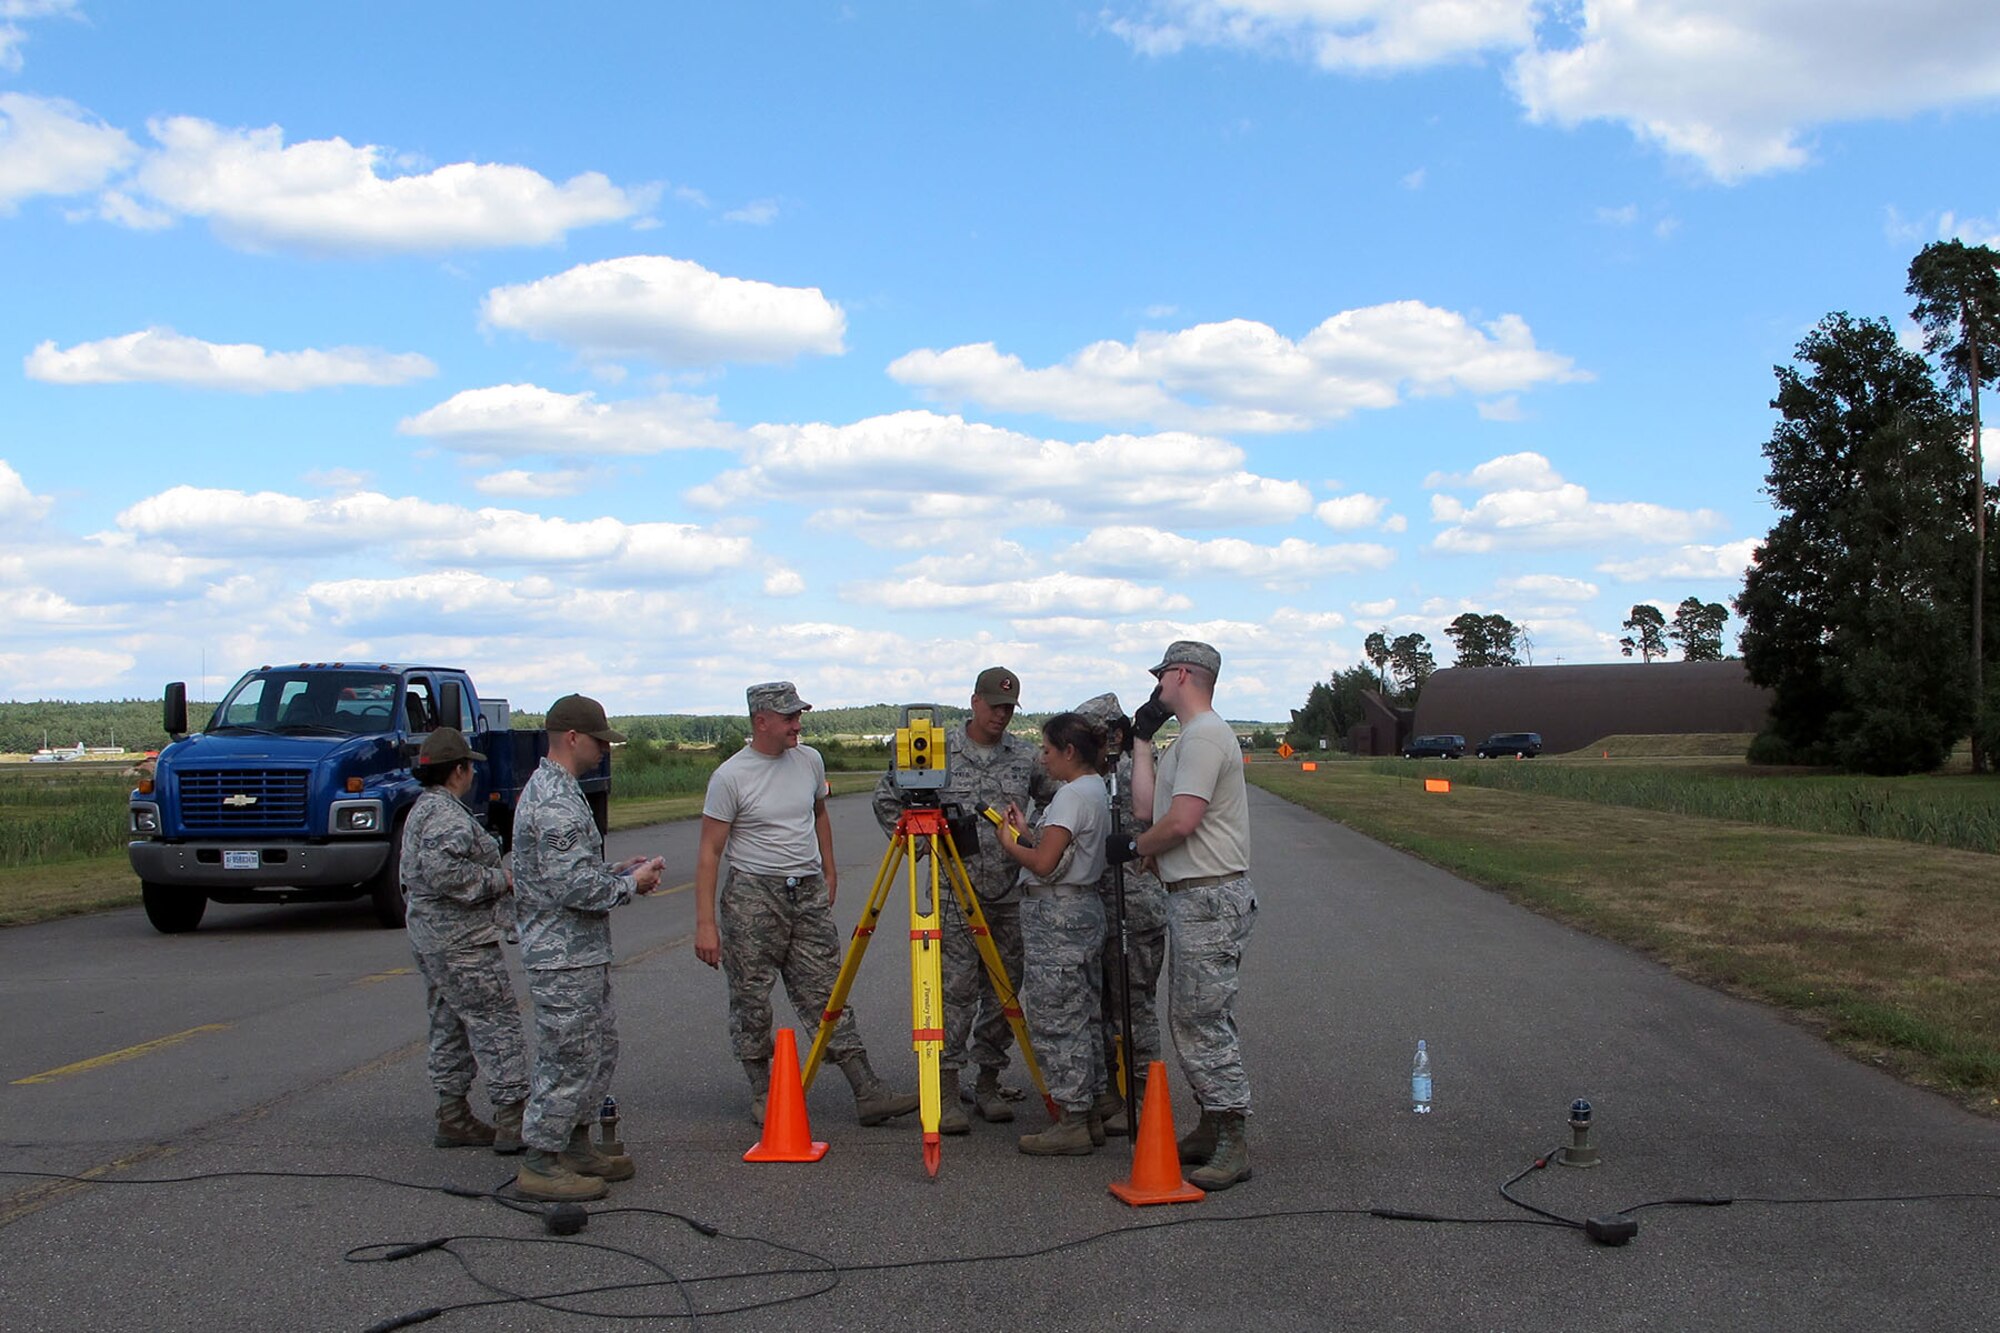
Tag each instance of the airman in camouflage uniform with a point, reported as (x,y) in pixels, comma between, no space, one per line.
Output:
(1145,951)
(987,769)
(564,893)
(766,809)
(451,872)
(1200,840)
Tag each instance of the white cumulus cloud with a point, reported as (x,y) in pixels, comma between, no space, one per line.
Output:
(1158,554)
(50,146)
(18,504)
(517,419)
(1242,375)
(1728,561)
(331,196)
(1736,86)
(673,311)
(217,522)
(1347,513)
(915,473)
(1052,594)
(1531,505)
(162,356)
(1551,587)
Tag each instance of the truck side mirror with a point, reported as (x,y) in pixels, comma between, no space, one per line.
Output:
(174,710)
(451,705)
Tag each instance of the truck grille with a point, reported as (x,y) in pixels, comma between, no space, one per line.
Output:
(219,801)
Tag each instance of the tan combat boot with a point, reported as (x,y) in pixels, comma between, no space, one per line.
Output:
(1067,1137)
(759,1072)
(988,1100)
(951,1112)
(1198,1145)
(458,1127)
(582,1157)
(1231,1162)
(507,1128)
(873,1102)
(543,1176)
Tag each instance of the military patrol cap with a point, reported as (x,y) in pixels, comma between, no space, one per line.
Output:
(1192,653)
(580,712)
(997,685)
(776,696)
(1103,710)
(446,745)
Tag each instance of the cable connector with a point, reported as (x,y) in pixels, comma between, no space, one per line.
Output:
(1611,1229)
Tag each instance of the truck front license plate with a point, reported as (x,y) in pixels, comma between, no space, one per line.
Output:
(240,860)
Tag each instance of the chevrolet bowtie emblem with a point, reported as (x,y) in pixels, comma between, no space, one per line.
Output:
(240,799)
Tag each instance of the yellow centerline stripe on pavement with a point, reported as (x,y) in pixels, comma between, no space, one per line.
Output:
(118,1057)
(41,1196)
(374,977)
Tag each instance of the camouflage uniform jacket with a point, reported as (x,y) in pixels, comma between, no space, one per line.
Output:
(1009,771)
(563,890)
(451,869)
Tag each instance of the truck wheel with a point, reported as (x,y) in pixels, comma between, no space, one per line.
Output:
(385,891)
(171,909)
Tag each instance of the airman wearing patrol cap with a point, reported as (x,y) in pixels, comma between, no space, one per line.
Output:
(1200,842)
(766,809)
(565,893)
(987,768)
(453,880)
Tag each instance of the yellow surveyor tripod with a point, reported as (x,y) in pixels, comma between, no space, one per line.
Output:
(923,829)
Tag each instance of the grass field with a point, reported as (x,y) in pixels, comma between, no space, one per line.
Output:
(62,828)
(1891,948)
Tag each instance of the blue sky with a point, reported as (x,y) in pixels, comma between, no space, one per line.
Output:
(652,351)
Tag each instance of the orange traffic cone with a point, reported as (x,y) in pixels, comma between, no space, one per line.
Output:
(787,1136)
(1156,1159)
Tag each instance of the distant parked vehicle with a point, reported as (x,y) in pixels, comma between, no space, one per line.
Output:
(1435,747)
(1522,744)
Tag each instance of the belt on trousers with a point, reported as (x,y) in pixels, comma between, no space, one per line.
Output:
(1058,890)
(1200,882)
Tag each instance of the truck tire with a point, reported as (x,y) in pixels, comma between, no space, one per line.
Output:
(172,910)
(385,891)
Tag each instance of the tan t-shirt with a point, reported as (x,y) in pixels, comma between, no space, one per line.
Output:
(1207,762)
(767,801)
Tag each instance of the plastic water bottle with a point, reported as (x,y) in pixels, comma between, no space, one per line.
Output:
(1420,1082)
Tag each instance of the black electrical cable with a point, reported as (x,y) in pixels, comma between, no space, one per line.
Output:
(1506,1191)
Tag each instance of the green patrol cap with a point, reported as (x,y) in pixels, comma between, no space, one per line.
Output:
(580,712)
(997,685)
(446,745)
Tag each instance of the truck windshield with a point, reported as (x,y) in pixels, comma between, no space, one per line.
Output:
(301,702)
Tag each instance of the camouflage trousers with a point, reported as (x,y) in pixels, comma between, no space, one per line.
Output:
(576,1050)
(1146,956)
(771,931)
(1206,931)
(974,1023)
(474,1023)
(1063,939)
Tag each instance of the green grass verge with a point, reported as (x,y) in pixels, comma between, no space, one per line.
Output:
(1891,949)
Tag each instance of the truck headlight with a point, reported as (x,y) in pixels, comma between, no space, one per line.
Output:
(357,817)
(144,819)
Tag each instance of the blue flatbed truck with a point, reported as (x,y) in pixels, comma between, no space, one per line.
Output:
(297,789)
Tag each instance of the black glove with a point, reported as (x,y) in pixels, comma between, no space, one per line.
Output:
(1121,848)
(1152,715)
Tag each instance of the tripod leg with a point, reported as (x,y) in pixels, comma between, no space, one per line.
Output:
(850,966)
(927,1004)
(996,974)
